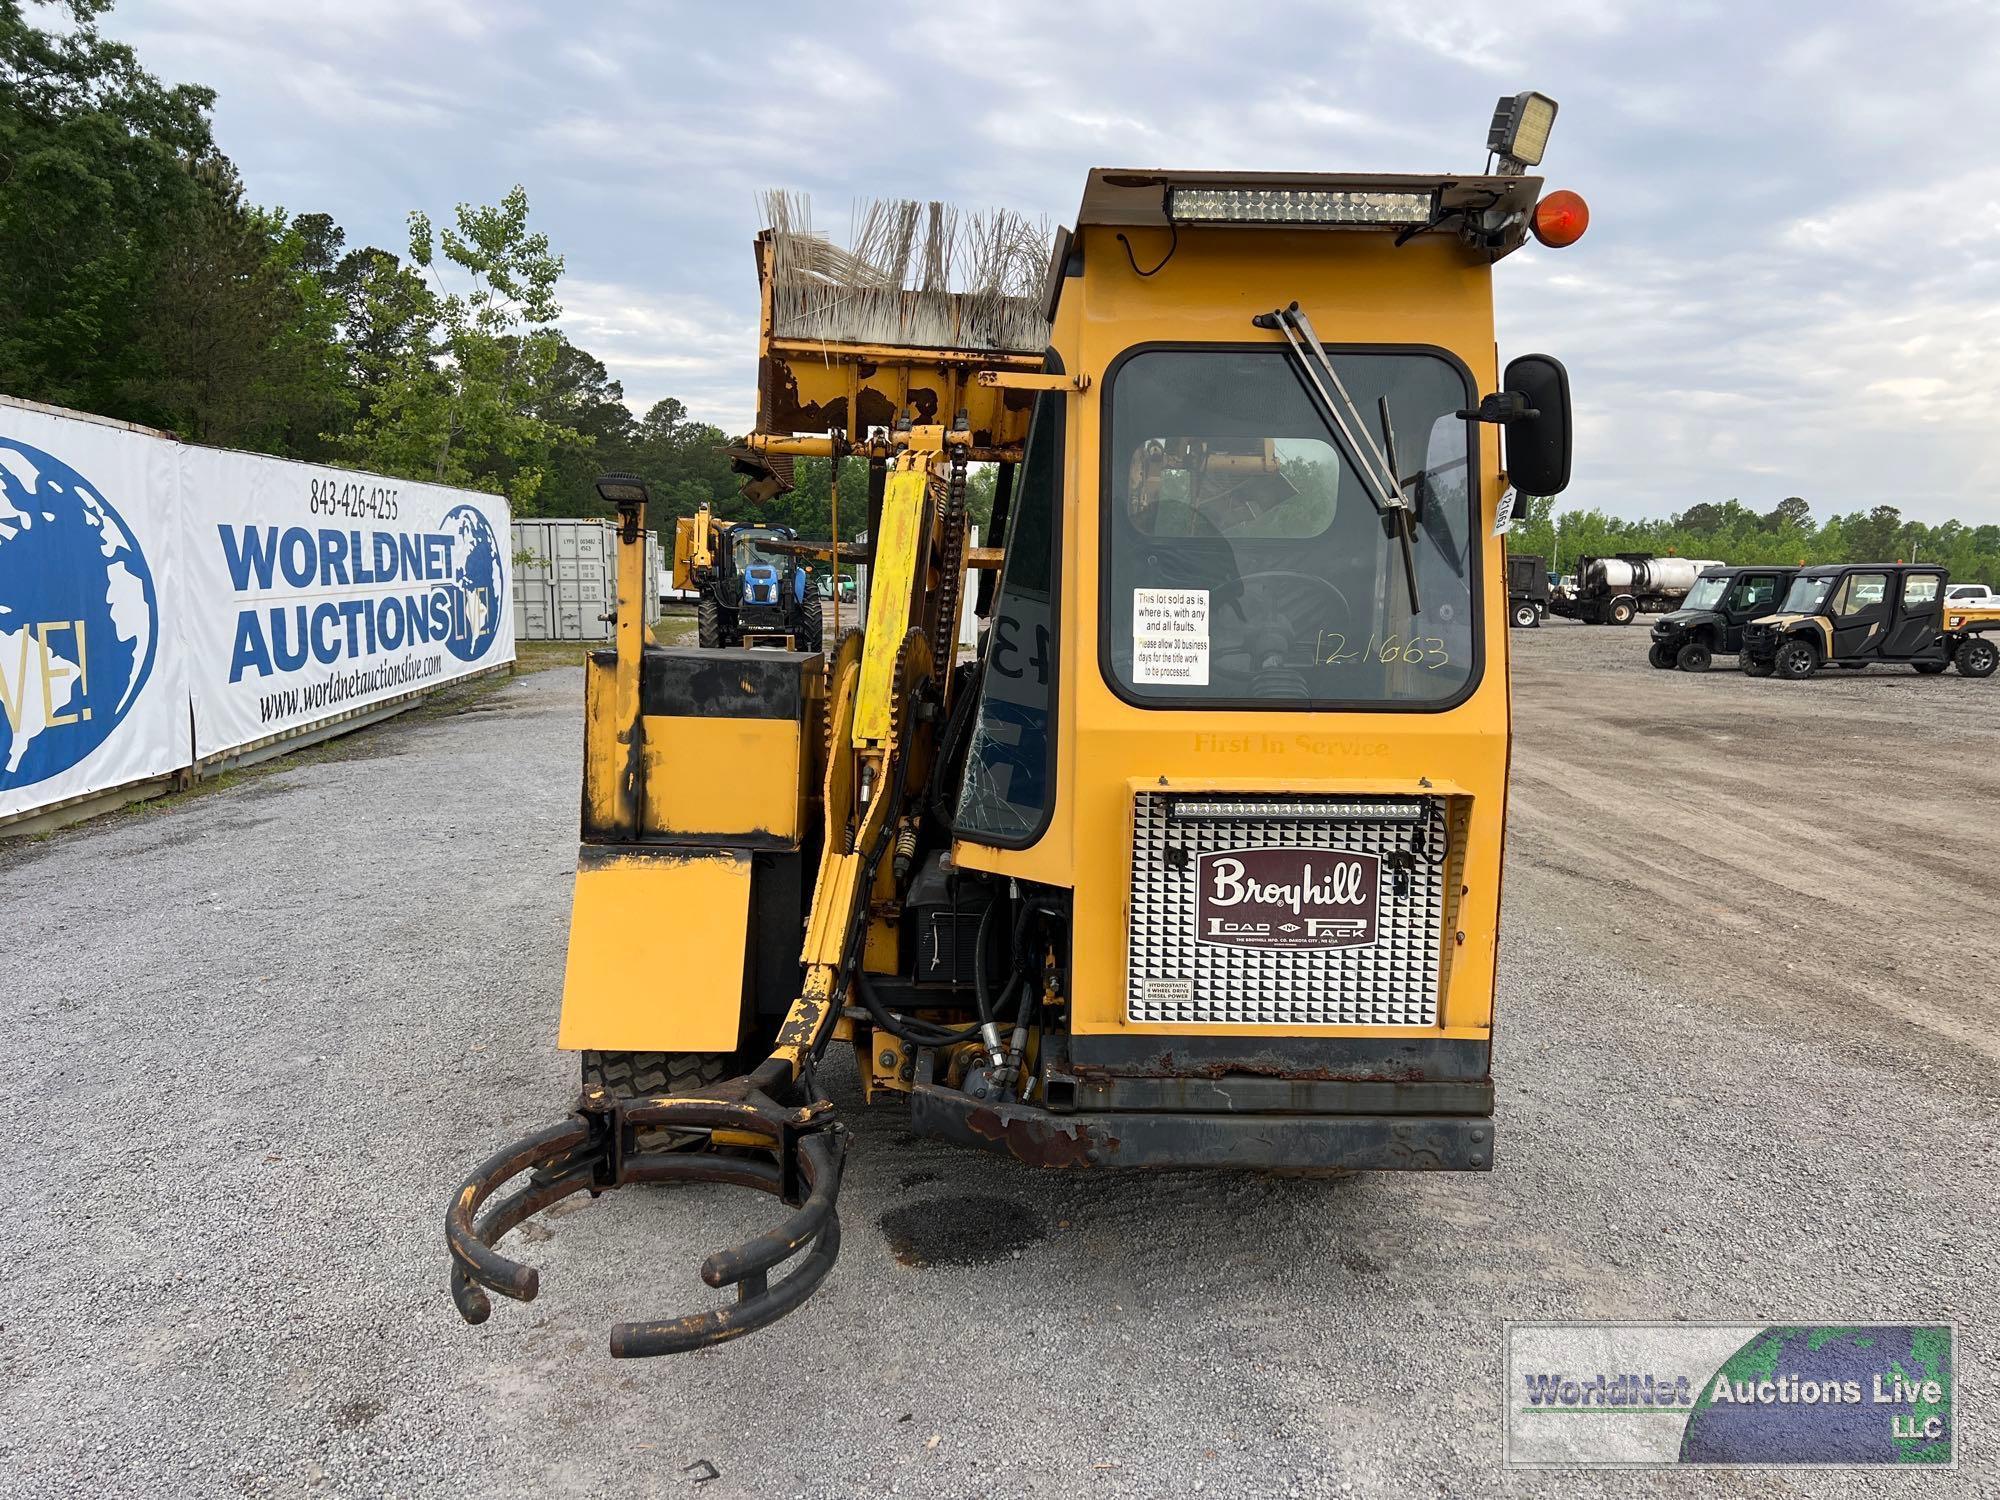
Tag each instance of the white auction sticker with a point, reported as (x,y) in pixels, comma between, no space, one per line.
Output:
(1170,636)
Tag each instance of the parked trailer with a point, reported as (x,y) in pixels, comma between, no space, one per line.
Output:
(566,579)
(1617,590)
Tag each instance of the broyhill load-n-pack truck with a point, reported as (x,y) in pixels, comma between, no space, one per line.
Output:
(1196,862)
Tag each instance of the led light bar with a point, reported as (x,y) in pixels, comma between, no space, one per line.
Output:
(1400,810)
(1187,205)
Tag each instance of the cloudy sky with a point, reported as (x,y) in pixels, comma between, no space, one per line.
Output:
(1788,286)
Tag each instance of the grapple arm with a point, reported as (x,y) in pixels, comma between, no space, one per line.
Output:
(596,1150)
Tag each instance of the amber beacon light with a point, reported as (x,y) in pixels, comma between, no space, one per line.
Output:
(1561,218)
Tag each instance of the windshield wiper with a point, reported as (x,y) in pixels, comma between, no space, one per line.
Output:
(1401,516)
(1377,470)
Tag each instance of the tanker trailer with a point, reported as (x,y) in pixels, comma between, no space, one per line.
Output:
(1617,590)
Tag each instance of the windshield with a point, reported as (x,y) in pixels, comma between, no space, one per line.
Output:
(1246,558)
(745,548)
(1706,594)
(1807,594)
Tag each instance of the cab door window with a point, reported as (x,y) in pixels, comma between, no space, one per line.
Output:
(1008,795)
(1757,593)
(1860,609)
(1862,597)
(1917,616)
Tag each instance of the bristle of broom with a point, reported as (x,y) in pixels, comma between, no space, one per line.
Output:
(927,275)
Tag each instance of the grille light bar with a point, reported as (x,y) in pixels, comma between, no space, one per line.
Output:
(1295,206)
(1397,811)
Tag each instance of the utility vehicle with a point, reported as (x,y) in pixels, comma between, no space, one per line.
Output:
(1855,615)
(1711,618)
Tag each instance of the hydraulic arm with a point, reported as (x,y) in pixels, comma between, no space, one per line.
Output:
(763,1130)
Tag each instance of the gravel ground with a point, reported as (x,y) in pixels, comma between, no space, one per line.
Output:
(1745,1072)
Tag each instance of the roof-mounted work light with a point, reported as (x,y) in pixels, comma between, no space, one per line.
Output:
(1520,131)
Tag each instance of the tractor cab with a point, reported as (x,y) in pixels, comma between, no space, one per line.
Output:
(1710,620)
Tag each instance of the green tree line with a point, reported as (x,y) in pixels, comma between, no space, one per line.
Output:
(1732,532)
(139,281)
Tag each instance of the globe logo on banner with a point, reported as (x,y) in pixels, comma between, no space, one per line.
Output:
(479,578)
(79,619)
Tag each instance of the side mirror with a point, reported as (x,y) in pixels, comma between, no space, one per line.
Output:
(1538,447)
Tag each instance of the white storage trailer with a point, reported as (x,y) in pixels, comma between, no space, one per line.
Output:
(566,579)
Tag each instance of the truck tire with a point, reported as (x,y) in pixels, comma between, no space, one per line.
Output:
(1524,616)
(812,622)
(1753,667)
(1694,657)
(709,629)
(1623,611)
(1658,658)
(1796,660)
(632,1075)
(1976,656)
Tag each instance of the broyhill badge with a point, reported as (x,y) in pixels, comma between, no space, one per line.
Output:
(1287,898)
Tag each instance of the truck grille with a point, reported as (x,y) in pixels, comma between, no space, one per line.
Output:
(1321,952)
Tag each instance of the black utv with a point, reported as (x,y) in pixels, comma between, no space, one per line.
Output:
(1710,621)
(1856,614)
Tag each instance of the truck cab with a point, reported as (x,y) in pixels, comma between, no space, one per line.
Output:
(1527,590)
(1854,615)
(1711,618)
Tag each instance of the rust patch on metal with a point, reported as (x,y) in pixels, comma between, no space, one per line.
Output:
(1036,1144)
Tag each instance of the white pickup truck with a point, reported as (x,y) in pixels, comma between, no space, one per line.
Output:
(1977,595)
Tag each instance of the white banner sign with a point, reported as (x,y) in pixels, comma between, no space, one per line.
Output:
(160,604)
(314,591)
(93,684)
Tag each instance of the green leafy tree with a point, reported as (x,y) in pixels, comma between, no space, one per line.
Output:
(460,408)
(239,343)
(1791,514)
(95,181)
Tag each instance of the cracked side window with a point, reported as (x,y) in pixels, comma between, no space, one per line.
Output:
(1009,783)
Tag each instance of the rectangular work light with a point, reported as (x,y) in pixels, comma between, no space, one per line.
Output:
(1520,130)
(622,489)
(1191,205)
(1401,810)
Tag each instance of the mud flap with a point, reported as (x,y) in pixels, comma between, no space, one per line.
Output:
(657,941)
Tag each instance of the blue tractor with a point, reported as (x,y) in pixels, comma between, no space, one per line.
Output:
(753,591)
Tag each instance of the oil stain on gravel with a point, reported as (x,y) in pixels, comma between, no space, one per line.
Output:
(350,1416)
(970,1231)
